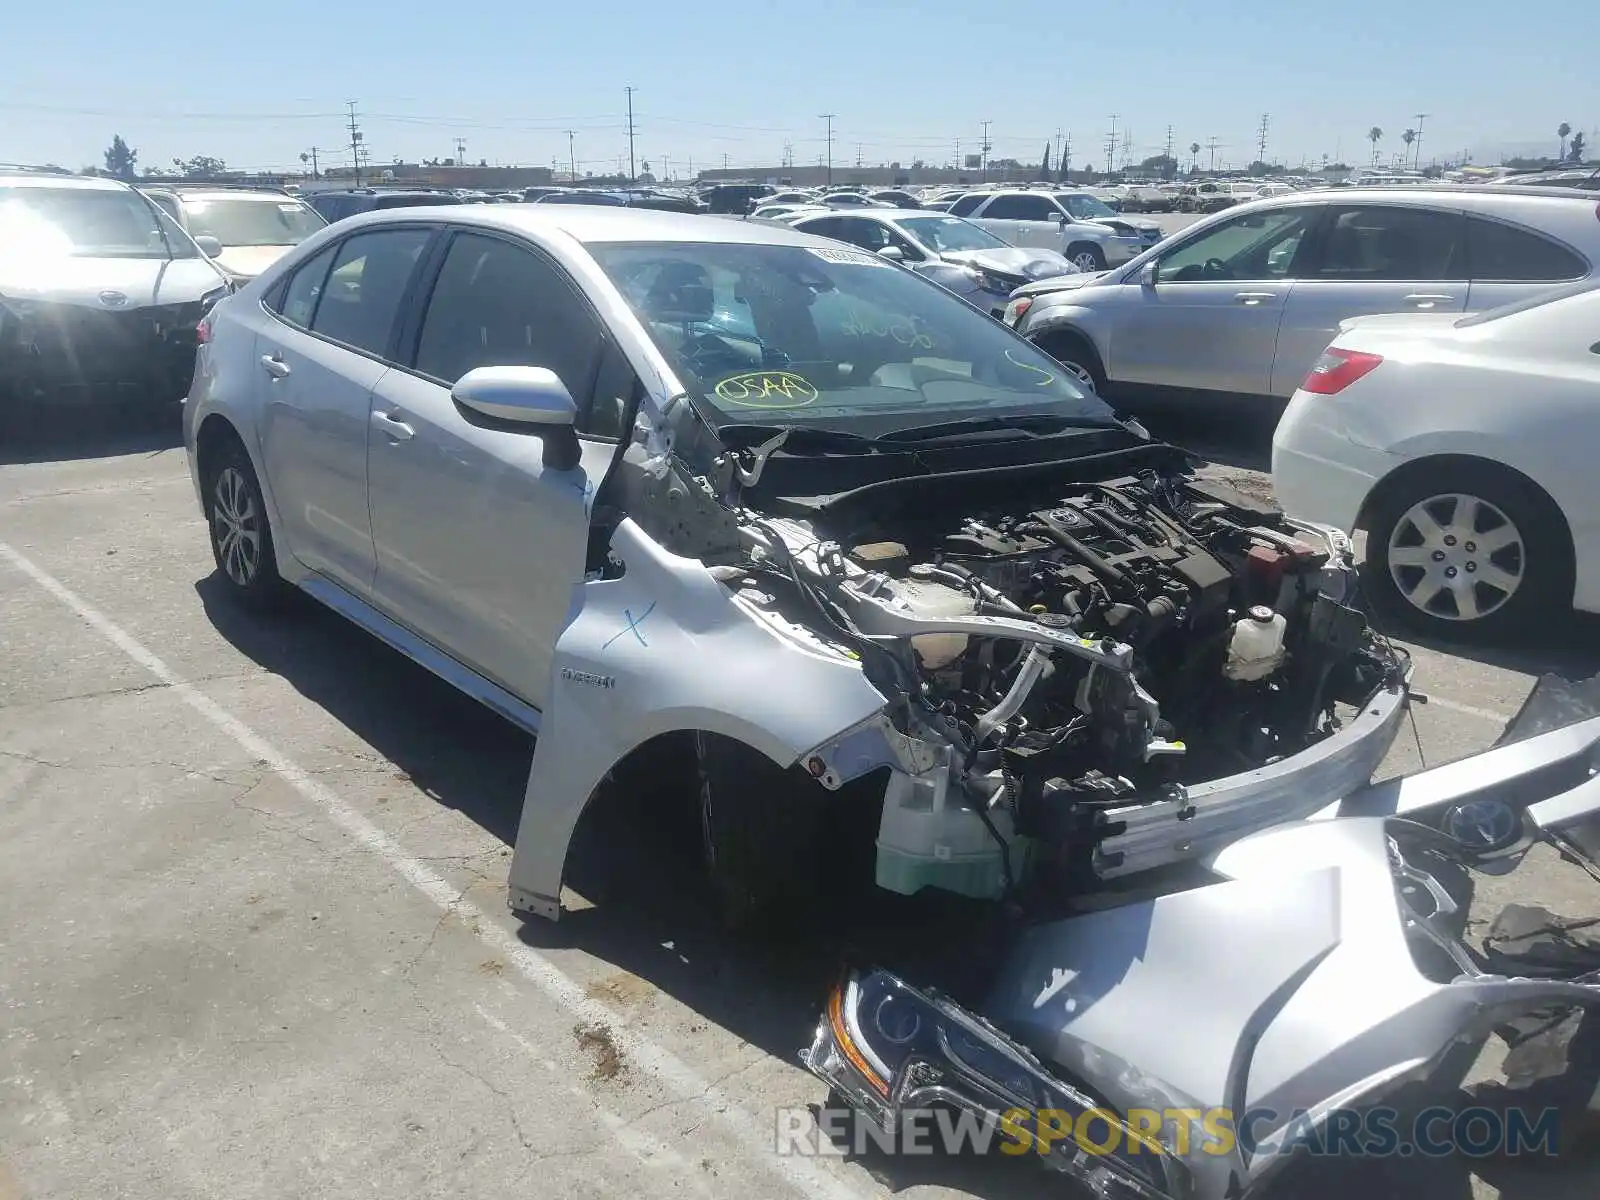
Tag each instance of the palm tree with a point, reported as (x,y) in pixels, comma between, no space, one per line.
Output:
(1564,129)
(1374,135)
(1194,157)
(1408,137)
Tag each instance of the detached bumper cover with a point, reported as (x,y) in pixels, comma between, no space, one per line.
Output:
(48,348)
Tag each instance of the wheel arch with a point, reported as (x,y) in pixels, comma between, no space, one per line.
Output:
(216,430)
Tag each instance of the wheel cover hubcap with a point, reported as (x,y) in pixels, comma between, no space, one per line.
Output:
(1456,557)
(1085,261)
(236,527)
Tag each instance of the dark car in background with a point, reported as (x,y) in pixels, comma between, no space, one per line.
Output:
(735,198)
(336,206)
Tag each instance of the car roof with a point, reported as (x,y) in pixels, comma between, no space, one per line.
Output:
(46,179)
(595,224)
(225,193)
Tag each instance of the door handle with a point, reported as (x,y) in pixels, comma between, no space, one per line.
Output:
(275,366)
(395,428)
(1254,298)
(1427,300)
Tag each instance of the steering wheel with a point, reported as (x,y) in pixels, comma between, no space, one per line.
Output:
(1216,268)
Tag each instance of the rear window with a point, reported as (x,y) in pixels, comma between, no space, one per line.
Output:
(268,221)
(1496,251)
(413,201)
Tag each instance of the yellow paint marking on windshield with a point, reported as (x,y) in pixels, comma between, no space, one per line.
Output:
(767,389)
(909,331)
(1044,382)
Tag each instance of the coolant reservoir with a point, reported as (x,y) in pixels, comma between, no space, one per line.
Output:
(930,839)
(931,599)
(1256,648)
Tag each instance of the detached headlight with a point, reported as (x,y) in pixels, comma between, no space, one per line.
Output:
(891,1051)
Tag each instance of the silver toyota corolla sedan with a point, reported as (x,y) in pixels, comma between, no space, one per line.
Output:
(645,482)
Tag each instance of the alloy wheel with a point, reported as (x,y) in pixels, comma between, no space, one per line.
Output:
(1456,557)
(1085,261)
(236,526)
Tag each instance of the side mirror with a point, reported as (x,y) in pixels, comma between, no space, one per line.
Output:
(1061,217)
(892,253)
(209,246)
(1147,274)
(532,398)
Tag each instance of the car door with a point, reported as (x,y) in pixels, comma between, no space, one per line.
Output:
(1209,321)
(1507,262)
(1022,220)
(1369,258)
(317,363)
(478,543)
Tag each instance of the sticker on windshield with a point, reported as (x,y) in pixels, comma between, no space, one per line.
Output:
(766,389)
(854,258)
(294,208)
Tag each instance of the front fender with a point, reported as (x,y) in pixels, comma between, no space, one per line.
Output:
(664,648)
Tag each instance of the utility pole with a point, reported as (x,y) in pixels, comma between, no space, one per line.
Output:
(1058,148)
(788,155)
(828,117)
(1111,143)
(572,154)
(1211,144)
(724,162)
(355,141)
(985,149)
(1261,138)
(1065,158)
(1421,117)
(1127,149)
(858,156)
(632,174)
(461,152)
(1169,144)
(311,155)
(957,159)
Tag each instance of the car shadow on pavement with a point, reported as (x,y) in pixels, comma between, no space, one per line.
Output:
(93,433)
(1231,434)
(1567,645)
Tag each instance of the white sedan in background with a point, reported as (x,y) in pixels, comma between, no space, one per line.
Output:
(1466,448)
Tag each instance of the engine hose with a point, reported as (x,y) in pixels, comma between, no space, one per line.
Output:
(1107,571)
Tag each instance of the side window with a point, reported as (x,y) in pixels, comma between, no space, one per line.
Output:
(869,235)
(1505,253)
(496,304)
(1384,243)
(967,205)
(1255,246)
(1022,208)
(300,298)
(363,292)
(828,227)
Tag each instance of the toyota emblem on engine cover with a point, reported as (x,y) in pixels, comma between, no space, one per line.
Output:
(113,299)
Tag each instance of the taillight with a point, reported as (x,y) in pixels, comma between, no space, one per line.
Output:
(1338,369)
(202,331)
(1017,309)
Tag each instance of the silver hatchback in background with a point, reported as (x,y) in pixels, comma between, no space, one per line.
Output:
(1243,303)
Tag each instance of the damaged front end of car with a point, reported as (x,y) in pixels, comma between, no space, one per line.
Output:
(1324,968)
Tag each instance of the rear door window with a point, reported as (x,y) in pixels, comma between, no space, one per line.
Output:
(299,299)
(1502,253)
(1392,243)
(1022,208)
(364,289)
(967,205)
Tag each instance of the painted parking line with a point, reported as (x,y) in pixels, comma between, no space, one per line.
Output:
(1486,714)
(807,1176)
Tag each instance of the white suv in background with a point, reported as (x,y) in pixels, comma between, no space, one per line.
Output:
(252,228)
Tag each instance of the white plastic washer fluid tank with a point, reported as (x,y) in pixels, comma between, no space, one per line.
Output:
(1256,648)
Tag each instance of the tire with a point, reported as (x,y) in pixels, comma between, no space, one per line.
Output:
(763,834)
(1078,357)
(1086,256)
(1463,549)
(241,539)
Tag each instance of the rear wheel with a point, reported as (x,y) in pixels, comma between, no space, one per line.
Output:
(241,540)
(1086,256)
(1466,548)
(1078,357)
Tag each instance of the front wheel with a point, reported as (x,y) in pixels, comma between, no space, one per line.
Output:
(1466,550)
(241,540)
(1086,256)
(1079,359)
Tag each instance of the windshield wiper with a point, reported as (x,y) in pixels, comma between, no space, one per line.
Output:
(1030,423)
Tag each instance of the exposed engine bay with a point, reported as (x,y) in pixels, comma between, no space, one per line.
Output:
(1087,650)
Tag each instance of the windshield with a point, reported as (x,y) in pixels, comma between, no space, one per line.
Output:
(86,223)
(1082,206)
(265,222)
(831,335)
(950,233)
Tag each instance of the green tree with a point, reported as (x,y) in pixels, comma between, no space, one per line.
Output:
(121,159)
(1408,137)
(1576,149)
(1194,157)
(1563,130)
(201,166)
(1375,135)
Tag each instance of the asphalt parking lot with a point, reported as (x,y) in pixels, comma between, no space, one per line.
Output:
(253,937)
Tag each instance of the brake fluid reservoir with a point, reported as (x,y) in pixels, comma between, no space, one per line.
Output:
(1256,647)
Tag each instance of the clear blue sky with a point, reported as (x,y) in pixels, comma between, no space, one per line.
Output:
(256,84)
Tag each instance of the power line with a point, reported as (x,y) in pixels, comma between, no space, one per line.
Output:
(829,118)
(632,175)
